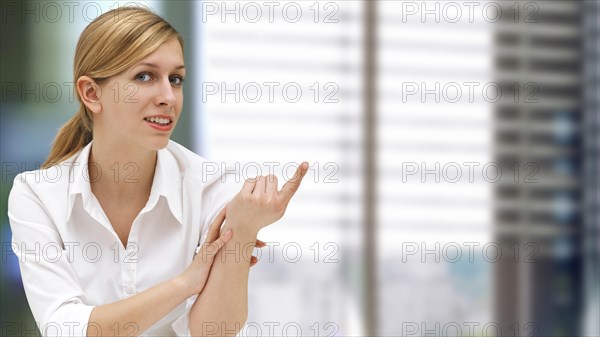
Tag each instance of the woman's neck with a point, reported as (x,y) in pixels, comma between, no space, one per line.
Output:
(121,172)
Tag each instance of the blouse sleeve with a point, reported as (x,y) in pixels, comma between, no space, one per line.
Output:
(53,290)
(217,194)
(214,198)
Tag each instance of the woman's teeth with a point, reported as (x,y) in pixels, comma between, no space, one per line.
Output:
(156,120)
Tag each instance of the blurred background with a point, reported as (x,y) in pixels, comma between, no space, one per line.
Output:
(453,187)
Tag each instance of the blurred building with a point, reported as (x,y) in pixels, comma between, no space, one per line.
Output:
(549,135)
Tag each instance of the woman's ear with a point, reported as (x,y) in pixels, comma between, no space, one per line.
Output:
(90,93)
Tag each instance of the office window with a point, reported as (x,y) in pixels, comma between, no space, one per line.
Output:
(281,85)
(242,54)
(434,144)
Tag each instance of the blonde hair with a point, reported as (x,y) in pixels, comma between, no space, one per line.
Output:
(112,43)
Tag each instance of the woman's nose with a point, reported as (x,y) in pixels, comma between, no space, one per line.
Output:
(166,93)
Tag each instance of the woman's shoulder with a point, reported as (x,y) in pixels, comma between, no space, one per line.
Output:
(196,167)
(55,177)
(185,157)
(42,190)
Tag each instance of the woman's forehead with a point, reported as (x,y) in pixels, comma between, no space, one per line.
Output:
(168,55)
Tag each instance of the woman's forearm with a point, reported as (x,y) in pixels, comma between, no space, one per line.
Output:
(222,307)
(134,315)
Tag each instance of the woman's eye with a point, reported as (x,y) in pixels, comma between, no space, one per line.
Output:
(177,80)
(144,77)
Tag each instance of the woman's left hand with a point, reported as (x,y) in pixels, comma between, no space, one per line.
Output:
(213,235)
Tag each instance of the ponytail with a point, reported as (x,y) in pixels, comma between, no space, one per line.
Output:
(72,137)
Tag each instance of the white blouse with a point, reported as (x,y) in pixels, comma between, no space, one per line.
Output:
(70,257)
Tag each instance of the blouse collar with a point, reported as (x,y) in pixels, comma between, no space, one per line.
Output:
(166,182)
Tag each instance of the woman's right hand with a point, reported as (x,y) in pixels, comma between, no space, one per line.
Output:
(195,276)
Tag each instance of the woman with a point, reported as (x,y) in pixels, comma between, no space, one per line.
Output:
(106,246)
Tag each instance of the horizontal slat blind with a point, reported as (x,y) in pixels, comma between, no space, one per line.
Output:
(312,114)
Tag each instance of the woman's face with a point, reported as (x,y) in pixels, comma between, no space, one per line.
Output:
(142,104)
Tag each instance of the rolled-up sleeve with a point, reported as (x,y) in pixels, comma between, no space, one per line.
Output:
(53,291)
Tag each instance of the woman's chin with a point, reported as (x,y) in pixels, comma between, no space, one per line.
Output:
(159,144)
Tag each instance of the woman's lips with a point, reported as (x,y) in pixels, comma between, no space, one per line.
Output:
(160,127)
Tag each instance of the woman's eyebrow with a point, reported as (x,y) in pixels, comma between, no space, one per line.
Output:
(156,66)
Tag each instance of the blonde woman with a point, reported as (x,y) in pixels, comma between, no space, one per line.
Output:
(109,245)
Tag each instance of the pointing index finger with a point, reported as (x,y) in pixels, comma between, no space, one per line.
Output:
(291,186)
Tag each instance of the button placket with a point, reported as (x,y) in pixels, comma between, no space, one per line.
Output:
(130,261)
(129,270)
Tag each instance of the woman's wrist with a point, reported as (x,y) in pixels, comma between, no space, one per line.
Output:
(182,286)
(241,229)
